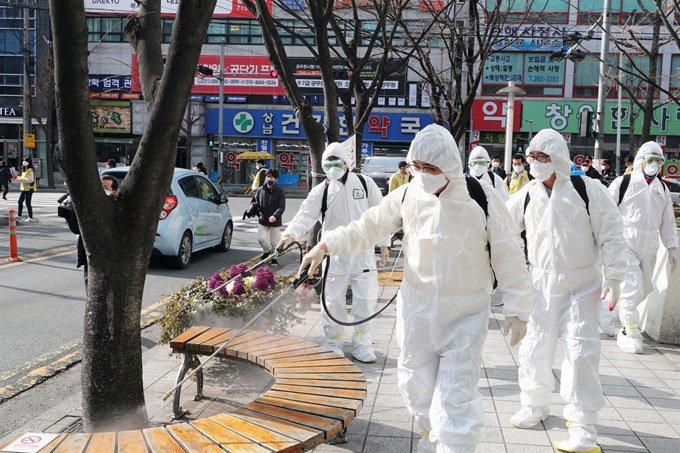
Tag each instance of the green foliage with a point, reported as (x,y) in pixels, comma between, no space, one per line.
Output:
(194,305)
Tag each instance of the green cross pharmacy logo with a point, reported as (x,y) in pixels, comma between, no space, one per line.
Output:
(243,122)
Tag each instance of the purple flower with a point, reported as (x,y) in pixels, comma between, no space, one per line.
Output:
(239,287)
(239,269)
(216,281)
(264,279)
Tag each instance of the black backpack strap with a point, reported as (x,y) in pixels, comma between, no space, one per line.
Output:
(580,186)
(363,183)
(623,187)
(663,183)
(507,180)
(527,199)
(324,201)
(477,193)
(493,178)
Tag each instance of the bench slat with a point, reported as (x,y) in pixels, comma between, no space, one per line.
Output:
(338,413)
(320,376)
(232,441)
(244,337)
(131,442)
(73,443)
(160,441)
(208,347)
(195,343)
(236,348)
(102,443)
(301,346)
(346,369)
(264,347)
(330,401)
(337,361)
(308,437)
(329,426)
(323,391)
(306,358)
(192,440)
(179,341)
(278,442)
(314,349)
(328,384)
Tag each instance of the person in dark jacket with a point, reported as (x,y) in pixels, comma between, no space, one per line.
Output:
(608,173)
(5,178)
(271,200)
(587,167)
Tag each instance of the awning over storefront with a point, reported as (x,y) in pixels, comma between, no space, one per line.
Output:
(254,155)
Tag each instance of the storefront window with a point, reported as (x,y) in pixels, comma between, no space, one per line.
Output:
(292,161)
(236,171)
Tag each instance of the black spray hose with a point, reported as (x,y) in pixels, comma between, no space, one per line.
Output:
(325,306)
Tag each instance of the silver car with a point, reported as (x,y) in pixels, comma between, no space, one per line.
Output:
(195,216)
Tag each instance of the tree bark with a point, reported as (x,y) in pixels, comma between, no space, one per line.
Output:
(118,232)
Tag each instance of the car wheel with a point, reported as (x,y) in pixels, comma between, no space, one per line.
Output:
(181,261)
(224,245)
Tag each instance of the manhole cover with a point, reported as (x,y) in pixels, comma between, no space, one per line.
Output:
(76,426)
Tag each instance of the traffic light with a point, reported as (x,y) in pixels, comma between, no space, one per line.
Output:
(211,140)
(520,146)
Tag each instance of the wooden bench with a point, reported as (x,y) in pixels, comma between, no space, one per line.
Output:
(315,396)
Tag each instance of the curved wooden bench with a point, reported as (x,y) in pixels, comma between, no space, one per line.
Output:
(316,395)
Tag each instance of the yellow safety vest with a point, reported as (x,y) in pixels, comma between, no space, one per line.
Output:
(25,186)
(514,183)
(256,180)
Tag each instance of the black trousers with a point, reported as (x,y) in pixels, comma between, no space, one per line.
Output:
(26,196)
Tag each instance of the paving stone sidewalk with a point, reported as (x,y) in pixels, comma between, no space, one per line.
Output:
(641,412)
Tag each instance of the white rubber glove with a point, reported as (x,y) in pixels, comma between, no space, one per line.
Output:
(285,242)
(672,260)
(384,255)
(518,327)
(613,290)
(311,260)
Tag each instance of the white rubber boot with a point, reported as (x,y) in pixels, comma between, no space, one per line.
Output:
(630,341)
(581,439)
(529,416)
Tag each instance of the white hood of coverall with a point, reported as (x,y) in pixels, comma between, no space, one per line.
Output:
(479,152)
(338,150)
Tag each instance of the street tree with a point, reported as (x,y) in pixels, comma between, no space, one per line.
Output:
(453,48)
(343,19)
(118,232)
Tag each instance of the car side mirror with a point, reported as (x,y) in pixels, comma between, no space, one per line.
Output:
(224,198)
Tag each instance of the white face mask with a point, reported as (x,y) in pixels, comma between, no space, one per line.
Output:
(542,170)
(431,183)
(495,164)
(518,168)
(584,167)
(477,170)
(24,163)
(107,192)
(651,169)
(335,173)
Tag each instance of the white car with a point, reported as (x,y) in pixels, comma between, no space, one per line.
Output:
(674,186)
(195,216)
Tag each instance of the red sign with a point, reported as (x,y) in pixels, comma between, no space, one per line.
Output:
(490,115)
(223,8)
(431,5)
(378,124)
(104,95)
(287,160)
(242,75)
(578,160)
(232,161)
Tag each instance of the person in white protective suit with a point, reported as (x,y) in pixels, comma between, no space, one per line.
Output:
(647,212)
(346,200)
(443,304)
(566,239)
(479,168)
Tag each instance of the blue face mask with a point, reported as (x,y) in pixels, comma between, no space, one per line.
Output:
(270,182)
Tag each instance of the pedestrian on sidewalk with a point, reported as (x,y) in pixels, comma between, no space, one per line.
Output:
(344,197)
(519,177)
(573,230)
(497,167)
(5,178)
(401,177)
(443,304)
(479,168)
(28,185)
(271,200)
(647,211)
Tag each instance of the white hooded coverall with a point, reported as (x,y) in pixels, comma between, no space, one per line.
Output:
(564,248)
(345,202)
(647,212)
(444,300)
(479,152)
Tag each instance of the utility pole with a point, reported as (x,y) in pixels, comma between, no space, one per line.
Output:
(602,83)
(27,81)
(220,116)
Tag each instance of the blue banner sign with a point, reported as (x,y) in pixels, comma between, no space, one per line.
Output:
(270,123)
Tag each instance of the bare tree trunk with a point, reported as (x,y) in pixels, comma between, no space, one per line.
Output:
(118,232)
(651,87)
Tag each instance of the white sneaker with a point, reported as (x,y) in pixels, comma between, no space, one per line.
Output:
(529,416)
(630,341)
(30,220)
(364,354)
